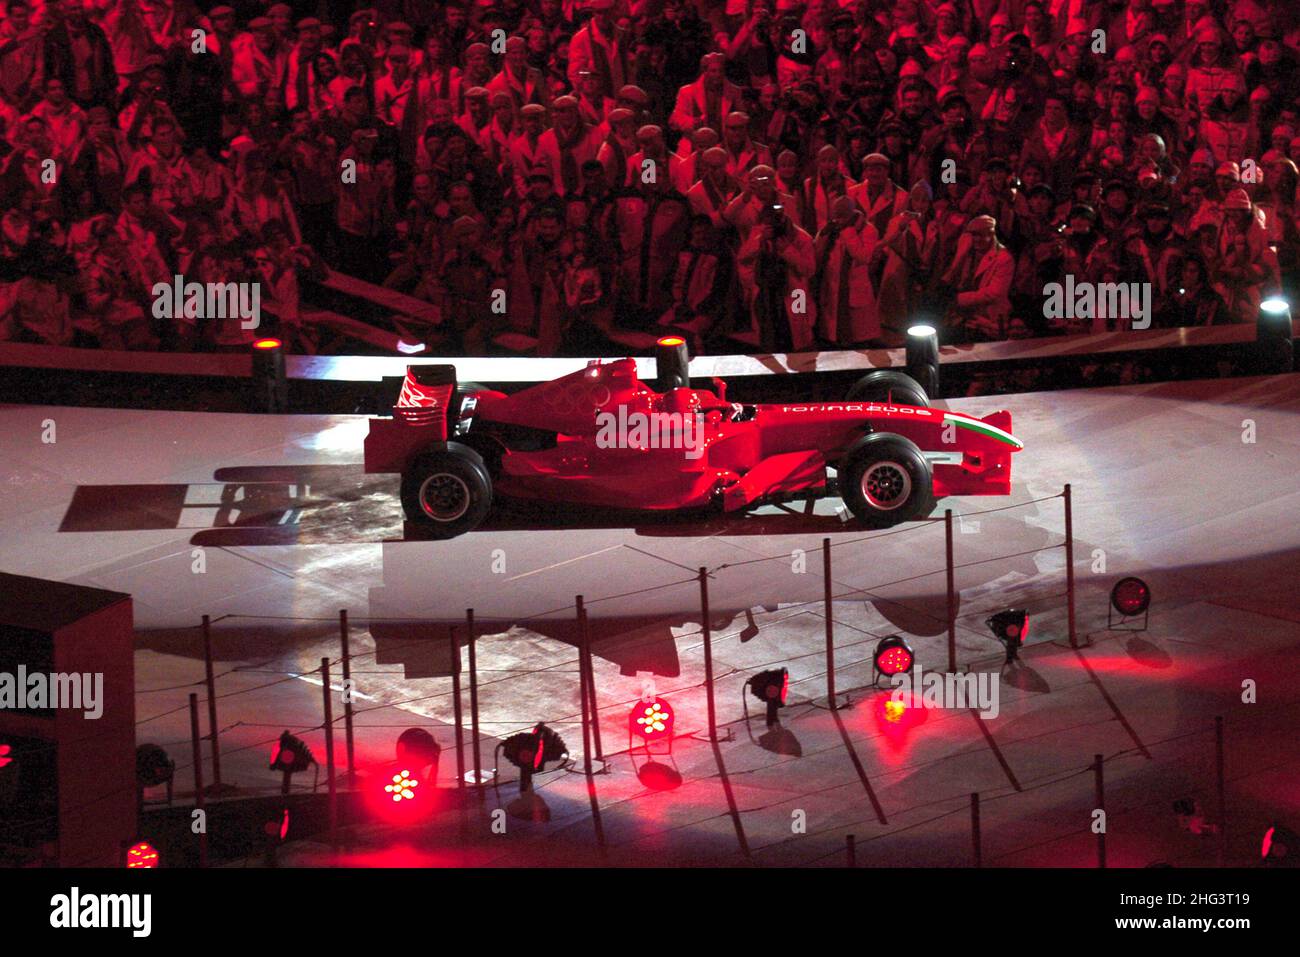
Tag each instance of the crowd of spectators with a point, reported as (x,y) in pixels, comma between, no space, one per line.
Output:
(550,174)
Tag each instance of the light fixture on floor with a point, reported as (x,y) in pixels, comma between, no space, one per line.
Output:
(1010,627)
(1129,598)
(771,687)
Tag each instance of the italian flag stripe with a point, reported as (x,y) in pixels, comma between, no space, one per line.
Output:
(992,431)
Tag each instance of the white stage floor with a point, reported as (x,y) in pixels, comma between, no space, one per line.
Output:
(287,530)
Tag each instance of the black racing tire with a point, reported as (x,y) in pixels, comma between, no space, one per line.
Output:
(885,480)
(447,492)
(885,385)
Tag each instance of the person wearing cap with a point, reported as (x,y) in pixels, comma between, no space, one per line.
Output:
(834,66)
(477,113)
(647,224)
(524,83)
(528,153)
(618,146)
(820,190)
(742,151)
(1156,249)
(652,167)
(1116,206)
(573,141)
(259,65)
(299,77)
(708,100)
(847,315)
(980,277)
(780,257)
(716,187)
(601,47)
(880,198)
(1246,265)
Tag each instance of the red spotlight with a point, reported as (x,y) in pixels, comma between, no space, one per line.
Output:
(267,344)
(1130,597)
(402,787)
(653,719)
(5,752)
(141,855)
(773,689)
(672,341)
(1011,627)
(893,656)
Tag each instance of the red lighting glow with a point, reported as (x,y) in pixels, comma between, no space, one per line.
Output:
(267,343)
(141,855)
(652,719)
(402,787)
(894,711)
(1268,843)
(672,341)
(5,752)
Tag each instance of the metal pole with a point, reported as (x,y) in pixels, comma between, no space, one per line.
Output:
(582,690)
(455,707)
(473,697)
(347,697)
(1101,805)
(975,828)
(708,652)
(591,686)
(850,845)
(212,702)
(830,623)
(198,777)
(1069,565)
(329,750)
(952,593)
(1219,788)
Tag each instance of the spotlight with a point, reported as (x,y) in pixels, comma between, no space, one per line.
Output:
(417,748)
(402,787)
(672,364)
(652,720)
(153,766)
(1010,627)
(893,656)
(772,688)
(1130,597)
(1280,847)
(270,389)
(1273,334)
(530,751)
(141,855)
(291,756)
(922,352)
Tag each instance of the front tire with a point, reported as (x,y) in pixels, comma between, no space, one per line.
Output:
(886,385)
(447,492)
(885,480)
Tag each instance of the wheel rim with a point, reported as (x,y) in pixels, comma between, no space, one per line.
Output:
(886,486)
(444,497)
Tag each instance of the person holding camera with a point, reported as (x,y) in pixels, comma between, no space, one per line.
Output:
(847,313)
(782,259)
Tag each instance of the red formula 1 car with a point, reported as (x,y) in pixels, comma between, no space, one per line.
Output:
(601,437)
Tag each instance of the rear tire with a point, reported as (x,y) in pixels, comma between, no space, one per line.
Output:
(885,385)
(885,480)
(447,492)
